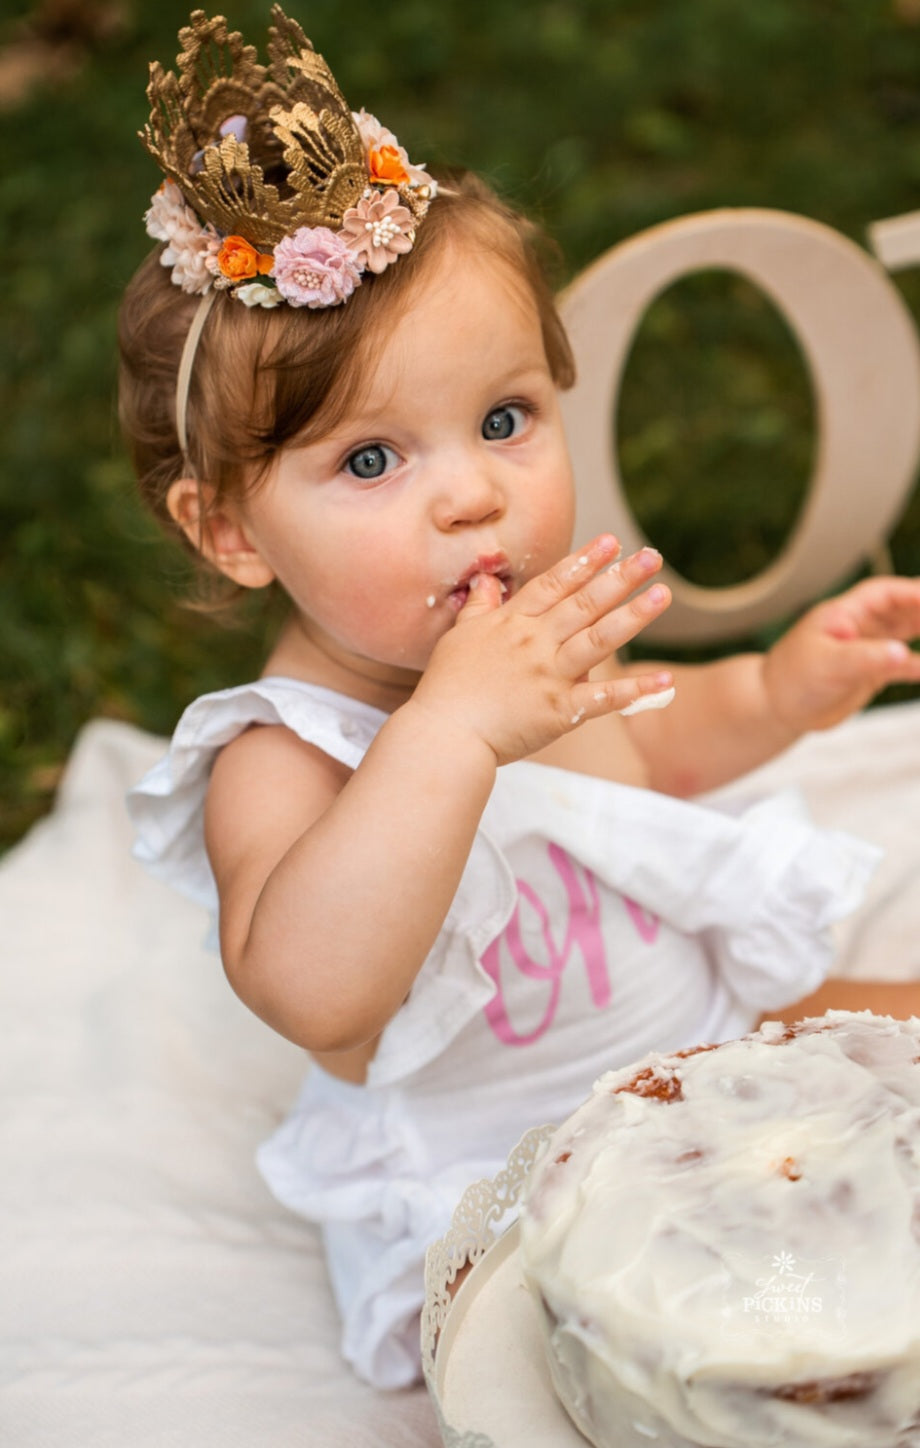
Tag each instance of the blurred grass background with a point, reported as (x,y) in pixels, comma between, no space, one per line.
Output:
(603,117)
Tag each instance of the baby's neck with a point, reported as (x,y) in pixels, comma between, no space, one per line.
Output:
(300,654)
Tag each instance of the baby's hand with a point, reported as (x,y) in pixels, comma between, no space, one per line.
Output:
(843,652)
(516,674)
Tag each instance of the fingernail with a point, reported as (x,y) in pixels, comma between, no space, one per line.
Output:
(898,651)
(657,594)
(475,581)
(649,558)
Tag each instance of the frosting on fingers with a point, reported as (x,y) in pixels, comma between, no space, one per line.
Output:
(649,701)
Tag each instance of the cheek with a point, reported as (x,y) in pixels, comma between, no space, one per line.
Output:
(552,510)
(369,603)
(566,521)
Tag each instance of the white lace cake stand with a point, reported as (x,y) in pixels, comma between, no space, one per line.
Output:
(482,1351)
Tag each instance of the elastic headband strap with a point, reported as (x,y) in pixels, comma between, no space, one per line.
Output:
(186,363)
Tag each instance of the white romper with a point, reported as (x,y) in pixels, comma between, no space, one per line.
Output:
(593,922)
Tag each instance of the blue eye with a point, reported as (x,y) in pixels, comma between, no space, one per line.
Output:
(503,423)
(371,462)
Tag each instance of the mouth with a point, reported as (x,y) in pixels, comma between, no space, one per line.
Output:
(494,564)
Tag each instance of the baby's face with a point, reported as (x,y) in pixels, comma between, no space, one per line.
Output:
(454,462)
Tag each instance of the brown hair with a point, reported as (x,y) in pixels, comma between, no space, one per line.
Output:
(262,377)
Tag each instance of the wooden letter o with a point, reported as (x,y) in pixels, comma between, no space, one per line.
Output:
(863,356)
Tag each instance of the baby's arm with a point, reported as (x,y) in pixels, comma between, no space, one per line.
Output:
(886,998)
(729,716)
(719,726)
(333,886)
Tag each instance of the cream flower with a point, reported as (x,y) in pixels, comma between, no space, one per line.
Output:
(190,247)
(379,229)
(257,294)
(375,137)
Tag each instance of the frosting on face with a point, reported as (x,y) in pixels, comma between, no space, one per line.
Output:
(725,1244)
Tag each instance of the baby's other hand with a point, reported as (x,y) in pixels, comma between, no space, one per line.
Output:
(844,651)
(516,673)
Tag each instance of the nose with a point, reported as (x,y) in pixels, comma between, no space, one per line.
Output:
(468,494)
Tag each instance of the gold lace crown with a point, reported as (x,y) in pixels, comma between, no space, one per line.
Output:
(264,163)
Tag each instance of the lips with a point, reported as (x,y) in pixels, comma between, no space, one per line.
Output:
(495,564)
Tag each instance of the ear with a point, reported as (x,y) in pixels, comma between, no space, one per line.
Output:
(217,533)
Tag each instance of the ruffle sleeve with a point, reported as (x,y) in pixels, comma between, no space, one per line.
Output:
(167,806)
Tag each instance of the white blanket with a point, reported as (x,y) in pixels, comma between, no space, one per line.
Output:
(151,1291)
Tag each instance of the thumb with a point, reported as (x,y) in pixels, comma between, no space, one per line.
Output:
(484,596)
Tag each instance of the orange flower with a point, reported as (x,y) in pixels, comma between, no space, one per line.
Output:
(386,165)
(238,260)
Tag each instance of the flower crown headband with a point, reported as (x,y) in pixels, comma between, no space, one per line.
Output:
(275,191)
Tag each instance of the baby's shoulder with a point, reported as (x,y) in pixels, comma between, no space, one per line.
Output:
(266,786)
(279,744)
(267,763)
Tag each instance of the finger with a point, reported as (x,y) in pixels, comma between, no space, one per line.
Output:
(892,661)
(484,596)
(871,664)
(587,585)
(601,637)
(597,596)
(568,576)
(875,608)
(628,695)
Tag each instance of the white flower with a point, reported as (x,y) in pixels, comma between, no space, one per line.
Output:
(190,247)
(257,294)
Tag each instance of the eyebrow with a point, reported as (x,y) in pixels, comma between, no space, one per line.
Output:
(366,421)
(524,370)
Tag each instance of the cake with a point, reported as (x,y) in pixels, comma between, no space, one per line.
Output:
(724,1244)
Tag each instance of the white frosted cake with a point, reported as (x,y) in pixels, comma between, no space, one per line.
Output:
(725,1243)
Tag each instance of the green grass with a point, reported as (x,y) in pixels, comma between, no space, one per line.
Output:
(603,116)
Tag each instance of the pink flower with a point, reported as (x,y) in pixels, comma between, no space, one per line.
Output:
(315,268)
(375,137)
(379,229)
(191,248)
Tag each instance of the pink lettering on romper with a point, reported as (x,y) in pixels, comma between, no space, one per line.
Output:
(583,931)
(645,922)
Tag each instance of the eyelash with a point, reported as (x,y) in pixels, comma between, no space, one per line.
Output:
(529,409)
(517,404)
(369,447)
